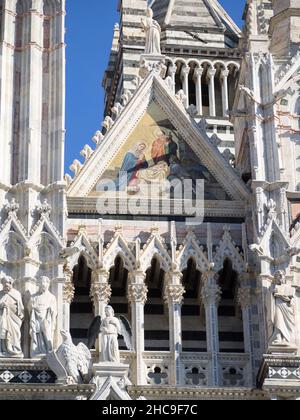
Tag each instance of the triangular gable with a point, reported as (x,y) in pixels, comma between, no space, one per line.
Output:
(201,14)
(153,88)
(44,225)
(13,224)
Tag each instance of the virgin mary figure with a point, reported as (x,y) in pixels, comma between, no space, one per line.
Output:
(134,160)
(153,31)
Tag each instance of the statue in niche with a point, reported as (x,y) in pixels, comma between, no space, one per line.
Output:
(109,329)
(153,31)
(43,312)
(282,314)
(11,319)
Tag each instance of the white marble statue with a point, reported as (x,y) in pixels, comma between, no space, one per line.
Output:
(71,364)
(11,319)
(109,328)
(43,312)
(153,32)
(282,312)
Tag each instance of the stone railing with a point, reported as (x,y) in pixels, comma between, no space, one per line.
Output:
(158,367)
(235,370)
(196,368)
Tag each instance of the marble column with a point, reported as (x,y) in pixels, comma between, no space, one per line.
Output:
(225,103)
(137,297)
(198,81)
(212,95)
(57,288)
(244,300)
(174,293)
(211,297)
(172,73)
(68,297)
(185,83)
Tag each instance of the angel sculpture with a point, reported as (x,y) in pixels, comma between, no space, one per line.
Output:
(71,364)
(109,328)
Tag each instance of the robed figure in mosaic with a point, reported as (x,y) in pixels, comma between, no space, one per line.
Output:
(11,319)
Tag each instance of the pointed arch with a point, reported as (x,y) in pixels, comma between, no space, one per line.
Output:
(118,246)
(228,249)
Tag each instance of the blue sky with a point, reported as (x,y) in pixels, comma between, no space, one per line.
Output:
(89,35)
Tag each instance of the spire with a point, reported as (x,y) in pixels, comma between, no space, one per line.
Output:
(205,16)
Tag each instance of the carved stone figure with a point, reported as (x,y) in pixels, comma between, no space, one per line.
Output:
(109,328)
(153,31)
(282,316)
(11,318)
(71,364)
(43,312)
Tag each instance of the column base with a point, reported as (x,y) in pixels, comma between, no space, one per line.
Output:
(282,349)
(279,375)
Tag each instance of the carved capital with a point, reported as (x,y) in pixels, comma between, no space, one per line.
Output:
(137,293)
(211,294)
(100,292)
(244,297)
(174,294)
(198,72)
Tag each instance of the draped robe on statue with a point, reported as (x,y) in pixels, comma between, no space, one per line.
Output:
(11,319)
(110,329)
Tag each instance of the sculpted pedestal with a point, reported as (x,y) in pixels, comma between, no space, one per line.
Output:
(111,380)
(152,62)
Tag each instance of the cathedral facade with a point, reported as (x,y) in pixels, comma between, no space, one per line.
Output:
(167,267)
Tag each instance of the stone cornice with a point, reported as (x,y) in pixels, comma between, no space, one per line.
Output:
(161,392)
(234,209)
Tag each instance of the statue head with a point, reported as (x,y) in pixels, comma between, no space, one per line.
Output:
(109,311)
(44,284)
(7,284)
(149,12)
(279,277)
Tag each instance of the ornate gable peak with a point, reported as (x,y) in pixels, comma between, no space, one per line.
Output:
(154,88)
(227,248)
(155,247)
(118,246)
(190,248)
(12,222)
(45,223)
(81,246)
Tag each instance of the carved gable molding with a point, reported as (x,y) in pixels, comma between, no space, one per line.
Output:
(228,249)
